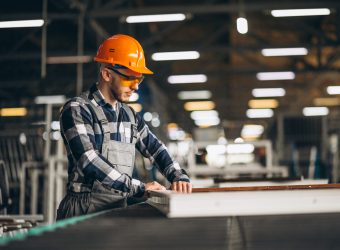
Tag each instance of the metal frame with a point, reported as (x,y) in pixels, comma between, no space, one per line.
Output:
(268,170)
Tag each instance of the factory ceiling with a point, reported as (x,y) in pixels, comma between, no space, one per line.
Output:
(230,60)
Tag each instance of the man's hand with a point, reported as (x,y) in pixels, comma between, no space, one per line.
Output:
(153,186)
(181,186)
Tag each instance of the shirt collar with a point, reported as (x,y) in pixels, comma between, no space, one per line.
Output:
(98,97)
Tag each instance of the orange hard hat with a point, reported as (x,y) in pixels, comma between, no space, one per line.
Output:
(123,50)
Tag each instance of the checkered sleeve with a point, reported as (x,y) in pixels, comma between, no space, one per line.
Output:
(151,147)
(76,127)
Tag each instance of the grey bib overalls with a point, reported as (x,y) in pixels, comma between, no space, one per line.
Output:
(119,154)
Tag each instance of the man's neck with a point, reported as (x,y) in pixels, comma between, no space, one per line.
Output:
(105,91)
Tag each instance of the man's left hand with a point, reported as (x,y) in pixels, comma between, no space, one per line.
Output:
(181,186)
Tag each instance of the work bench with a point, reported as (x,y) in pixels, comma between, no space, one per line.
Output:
(141,226)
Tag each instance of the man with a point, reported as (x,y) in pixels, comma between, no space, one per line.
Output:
(101,133)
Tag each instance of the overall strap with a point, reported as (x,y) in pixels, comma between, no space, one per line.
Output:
(100,115)
(133,120)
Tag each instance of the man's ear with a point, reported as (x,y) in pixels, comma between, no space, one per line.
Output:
(105,74)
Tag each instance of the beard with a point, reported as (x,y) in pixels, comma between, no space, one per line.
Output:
(118,97)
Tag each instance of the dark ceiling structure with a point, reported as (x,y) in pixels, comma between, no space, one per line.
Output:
(229,59)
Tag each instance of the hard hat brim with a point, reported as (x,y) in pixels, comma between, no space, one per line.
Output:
(143,70)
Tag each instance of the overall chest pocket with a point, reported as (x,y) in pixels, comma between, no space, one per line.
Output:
(123,155)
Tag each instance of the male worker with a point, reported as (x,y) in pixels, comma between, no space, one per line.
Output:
(101,133)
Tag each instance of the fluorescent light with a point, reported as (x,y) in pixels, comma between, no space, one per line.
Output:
(259,113)
(204,105)
(242,25)
(251,130)
(190,95)
(264,103)
(300,12)
(13,112)
(326,101)
(134,97)
(136,106)
(199,115)
(22,23)
(315,111)
(68,59)
(240,148)
(187,78)
(285,52)
(50,99)
(333,90)
(180,55)
(283,75)
(156,18)
(208,122)
(268,92)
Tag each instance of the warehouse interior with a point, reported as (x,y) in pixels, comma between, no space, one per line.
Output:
(245,95)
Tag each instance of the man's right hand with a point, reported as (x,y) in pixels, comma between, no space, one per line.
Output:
(153,186)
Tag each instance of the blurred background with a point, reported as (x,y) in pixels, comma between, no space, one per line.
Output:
(241,90)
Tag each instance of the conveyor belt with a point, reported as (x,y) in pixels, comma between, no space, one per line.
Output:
(143,227)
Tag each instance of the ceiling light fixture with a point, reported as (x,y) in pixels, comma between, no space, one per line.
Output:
(199,115)
(264,103)
(190,95)
(207,122)
(315,111)
(326,101)
(333,90)
(269,76)
(22,23)
(301,12)
(242,25)
(155,18)
(179,55)
(204,105)
(13,112)
(285,52)
(260,113)
(199,78)
(268,92)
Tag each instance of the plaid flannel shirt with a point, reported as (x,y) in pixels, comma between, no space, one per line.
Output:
(82,135)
